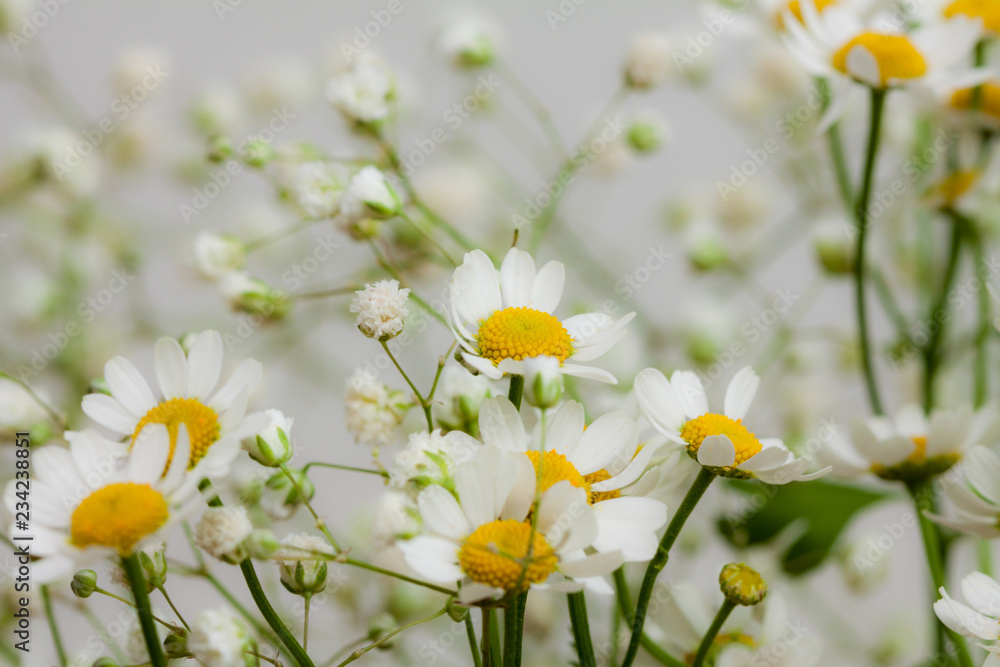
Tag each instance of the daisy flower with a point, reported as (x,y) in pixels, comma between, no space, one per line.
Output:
(836,44)
(602,459)
(502,317)
(678,408)
(215,417)
(987,11)
(911,445)
(975,494)
(482,536)
(94,499)
(978,618)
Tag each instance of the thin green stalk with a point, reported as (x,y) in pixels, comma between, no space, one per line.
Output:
(320,524)
(659,561)
(361,651)
(937,316)
(102,632)
(981,388)
(163,592)
(932,548)
(516,390)
(581,629)
(713,631)
(420,397)
(337,466)
(271,616)
(984,557)
(470,632)
(491,638)
(836,147)
(136,581)
(625,609)
(50,616)
(861,213)
(305,622)
(389,573)
(54,415)
(538,110)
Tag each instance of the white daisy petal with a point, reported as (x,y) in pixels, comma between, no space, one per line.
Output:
(432,557)
(441,513)
(128,386)
(716,451)
(690,393)
(740,393)
(108,412)
(171,368)
(548,288)
(658,402)
(501,425)
(517,278)
(204,364)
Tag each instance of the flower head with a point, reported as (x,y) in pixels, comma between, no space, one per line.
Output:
(649,60)
(500,318)
(318,188)
(373,410)
(218,254)
(222,533)
(220,639)
(678,408)
(431,458)
(980,620)
(300,562)
(362,93)
(369,194)
(381,309)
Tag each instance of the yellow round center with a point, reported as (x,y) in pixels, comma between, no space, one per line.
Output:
(598,496)
(745,442)
(795,9)
(552,467)
(519,333)
(951,188)
(496,554)
(987,10)
(988,99)
(917,465)
(118,515)
(896,56)
(201,421)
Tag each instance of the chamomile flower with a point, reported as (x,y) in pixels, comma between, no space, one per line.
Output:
(95,499)
(838,45)
(678,408)
(975,494)
(911,445)
(978,618)
(502,317)
(987,11)
(215,417)
(482,535)
(602,459)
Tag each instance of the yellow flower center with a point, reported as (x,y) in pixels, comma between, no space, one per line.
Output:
(496,554)
(696,430)
(201,421)
(917,465)
(896,56)
(118,515)
(795,9)
(552,467)
(519,333)
(955,185)
(987,10)
(988,102)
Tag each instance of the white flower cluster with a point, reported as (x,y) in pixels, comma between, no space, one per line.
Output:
(381,309)
(373,410)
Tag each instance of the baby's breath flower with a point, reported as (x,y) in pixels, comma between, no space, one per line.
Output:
(218,254)
(271,446)
(373,410)
(222,533)
(648,62)
(470,43)
(381,309)
(318,188)
(362,93)
(430,458)
(220,639)
(369,194)
(301,572)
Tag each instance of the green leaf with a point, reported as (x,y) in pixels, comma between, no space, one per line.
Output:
(820,509)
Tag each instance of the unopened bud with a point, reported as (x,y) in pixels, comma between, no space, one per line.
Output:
(741,584)
(543,387)
(84,583)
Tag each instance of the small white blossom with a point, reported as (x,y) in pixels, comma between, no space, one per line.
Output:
(362,93)
(373,410)
(381,309)
(430,458)
(648,61)
(219,639)
(318,187)
(369,194)
(470,43)
(222,531)
(267,446)
(218,254)
(300,570)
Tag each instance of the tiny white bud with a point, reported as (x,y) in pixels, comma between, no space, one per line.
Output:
(271,445)
(543,383)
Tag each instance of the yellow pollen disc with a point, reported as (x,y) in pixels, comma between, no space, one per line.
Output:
(955,185)
(698,429)
(795,9)
(118,515)
(496,554)
(987,10)
(555,467)
(598,496)
(896,56)
(201,420)
(917,465)
(988,102)
(519,333)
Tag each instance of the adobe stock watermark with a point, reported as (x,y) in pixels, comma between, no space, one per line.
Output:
(453,118)
(221,177)
(32,23)
(123,106)
(695,46)
(364,34)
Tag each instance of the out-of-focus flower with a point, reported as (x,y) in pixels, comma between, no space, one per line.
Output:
(218,254)
(649,60)
(363,92)
(220,639)
(469,43)
(431,458)
(318,188)
(373,410)
(301,565)
(222,533)
(271,445)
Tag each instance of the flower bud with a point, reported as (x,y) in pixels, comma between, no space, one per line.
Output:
(647,134)
(281,498)
(469,44)
(105,662)
(543,386)
(176,645)
(253,296)
(271,447)
(219,148)
(84,583)
(456,611)
(834,248)
(302,572)
(707,254)
(742,584)
(154,564)
(649,61)
(381,309)
(262,544)
(381,625)
(258,154)
(218,254)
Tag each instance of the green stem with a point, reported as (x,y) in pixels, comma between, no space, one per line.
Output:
(136,581)
(981,388)
(659,561)
(267,611)
(50,616)
(262,629)
(713,631)
(163,592)
(836,148)
(491,638)
(938,316)
(424,403)
(389,573)
(984,557)
(305,622)
(581,629)
(625,608)
(861,213)
(320,524)
(920,492)
(361,651)
(470,632)
(516,390)
(337,466)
